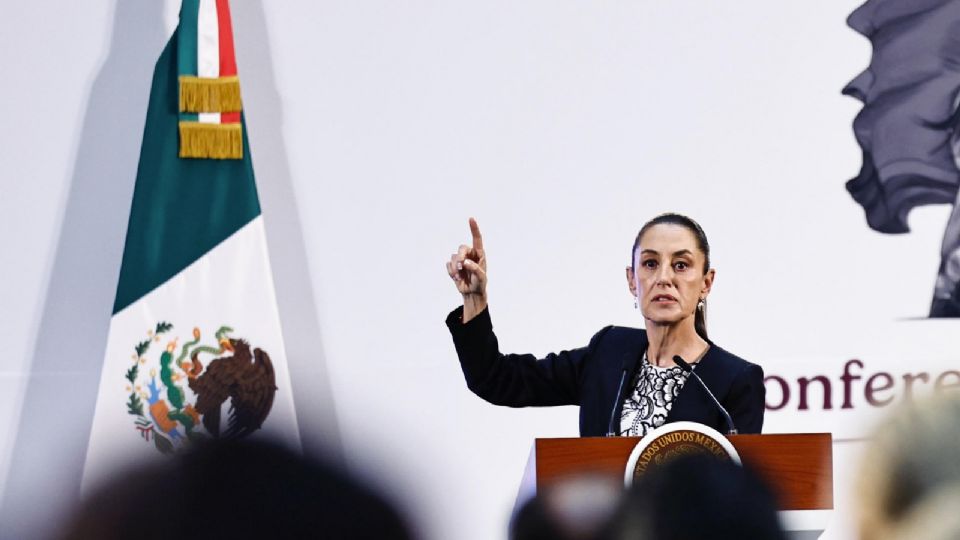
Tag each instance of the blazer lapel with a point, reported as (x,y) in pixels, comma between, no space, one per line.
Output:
(692,403)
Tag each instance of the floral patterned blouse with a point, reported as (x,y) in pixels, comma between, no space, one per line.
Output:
(654,391)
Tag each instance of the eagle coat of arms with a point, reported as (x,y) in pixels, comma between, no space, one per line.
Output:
(177,398)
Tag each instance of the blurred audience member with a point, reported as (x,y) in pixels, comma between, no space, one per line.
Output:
(909,482)
(577,508)
(236,490)
(934,518)
(698,497)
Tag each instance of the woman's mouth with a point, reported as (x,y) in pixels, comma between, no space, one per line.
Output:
(663,298)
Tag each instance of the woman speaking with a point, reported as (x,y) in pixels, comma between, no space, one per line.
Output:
(625,380)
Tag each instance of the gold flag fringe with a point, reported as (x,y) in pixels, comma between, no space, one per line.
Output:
(201,94)
(216,141)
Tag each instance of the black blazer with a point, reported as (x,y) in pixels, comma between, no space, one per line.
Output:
(589,377)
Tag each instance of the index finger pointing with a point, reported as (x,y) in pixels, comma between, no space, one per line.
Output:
(475,231)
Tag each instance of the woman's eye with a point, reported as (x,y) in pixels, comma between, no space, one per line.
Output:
(681,265)
(649,263)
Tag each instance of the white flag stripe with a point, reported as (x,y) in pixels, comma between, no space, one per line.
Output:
(231,286)
(208,40)
(208,117)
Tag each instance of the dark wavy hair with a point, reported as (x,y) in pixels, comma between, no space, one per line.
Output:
(700,315)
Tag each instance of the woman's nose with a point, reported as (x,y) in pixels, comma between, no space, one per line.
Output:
(664,275)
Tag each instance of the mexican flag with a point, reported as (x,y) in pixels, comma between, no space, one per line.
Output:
(195,349)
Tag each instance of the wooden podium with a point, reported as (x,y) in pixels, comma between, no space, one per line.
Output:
(797,467)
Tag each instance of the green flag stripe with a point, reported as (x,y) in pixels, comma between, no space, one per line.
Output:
(187,38)
(182,208)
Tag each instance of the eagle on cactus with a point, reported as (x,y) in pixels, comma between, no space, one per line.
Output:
(246,379)
(185,393)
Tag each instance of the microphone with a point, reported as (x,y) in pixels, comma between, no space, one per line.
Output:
(731,429)
(627,365)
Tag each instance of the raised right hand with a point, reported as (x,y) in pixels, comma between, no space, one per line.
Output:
(468,269)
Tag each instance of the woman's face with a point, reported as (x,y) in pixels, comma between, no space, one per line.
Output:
(667,277)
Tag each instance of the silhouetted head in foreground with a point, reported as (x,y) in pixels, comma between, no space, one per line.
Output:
(577,508)
(909,481)
(698,497)
(236,490)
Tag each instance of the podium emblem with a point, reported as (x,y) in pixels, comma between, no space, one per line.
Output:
(674,440)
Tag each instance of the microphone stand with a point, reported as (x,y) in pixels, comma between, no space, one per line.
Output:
(627,365)
(731,429)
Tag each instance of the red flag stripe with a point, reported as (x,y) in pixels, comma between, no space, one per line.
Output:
(228,60)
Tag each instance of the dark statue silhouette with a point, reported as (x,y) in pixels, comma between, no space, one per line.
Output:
(907,127)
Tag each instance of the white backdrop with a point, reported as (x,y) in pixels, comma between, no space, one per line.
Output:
(377,128)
